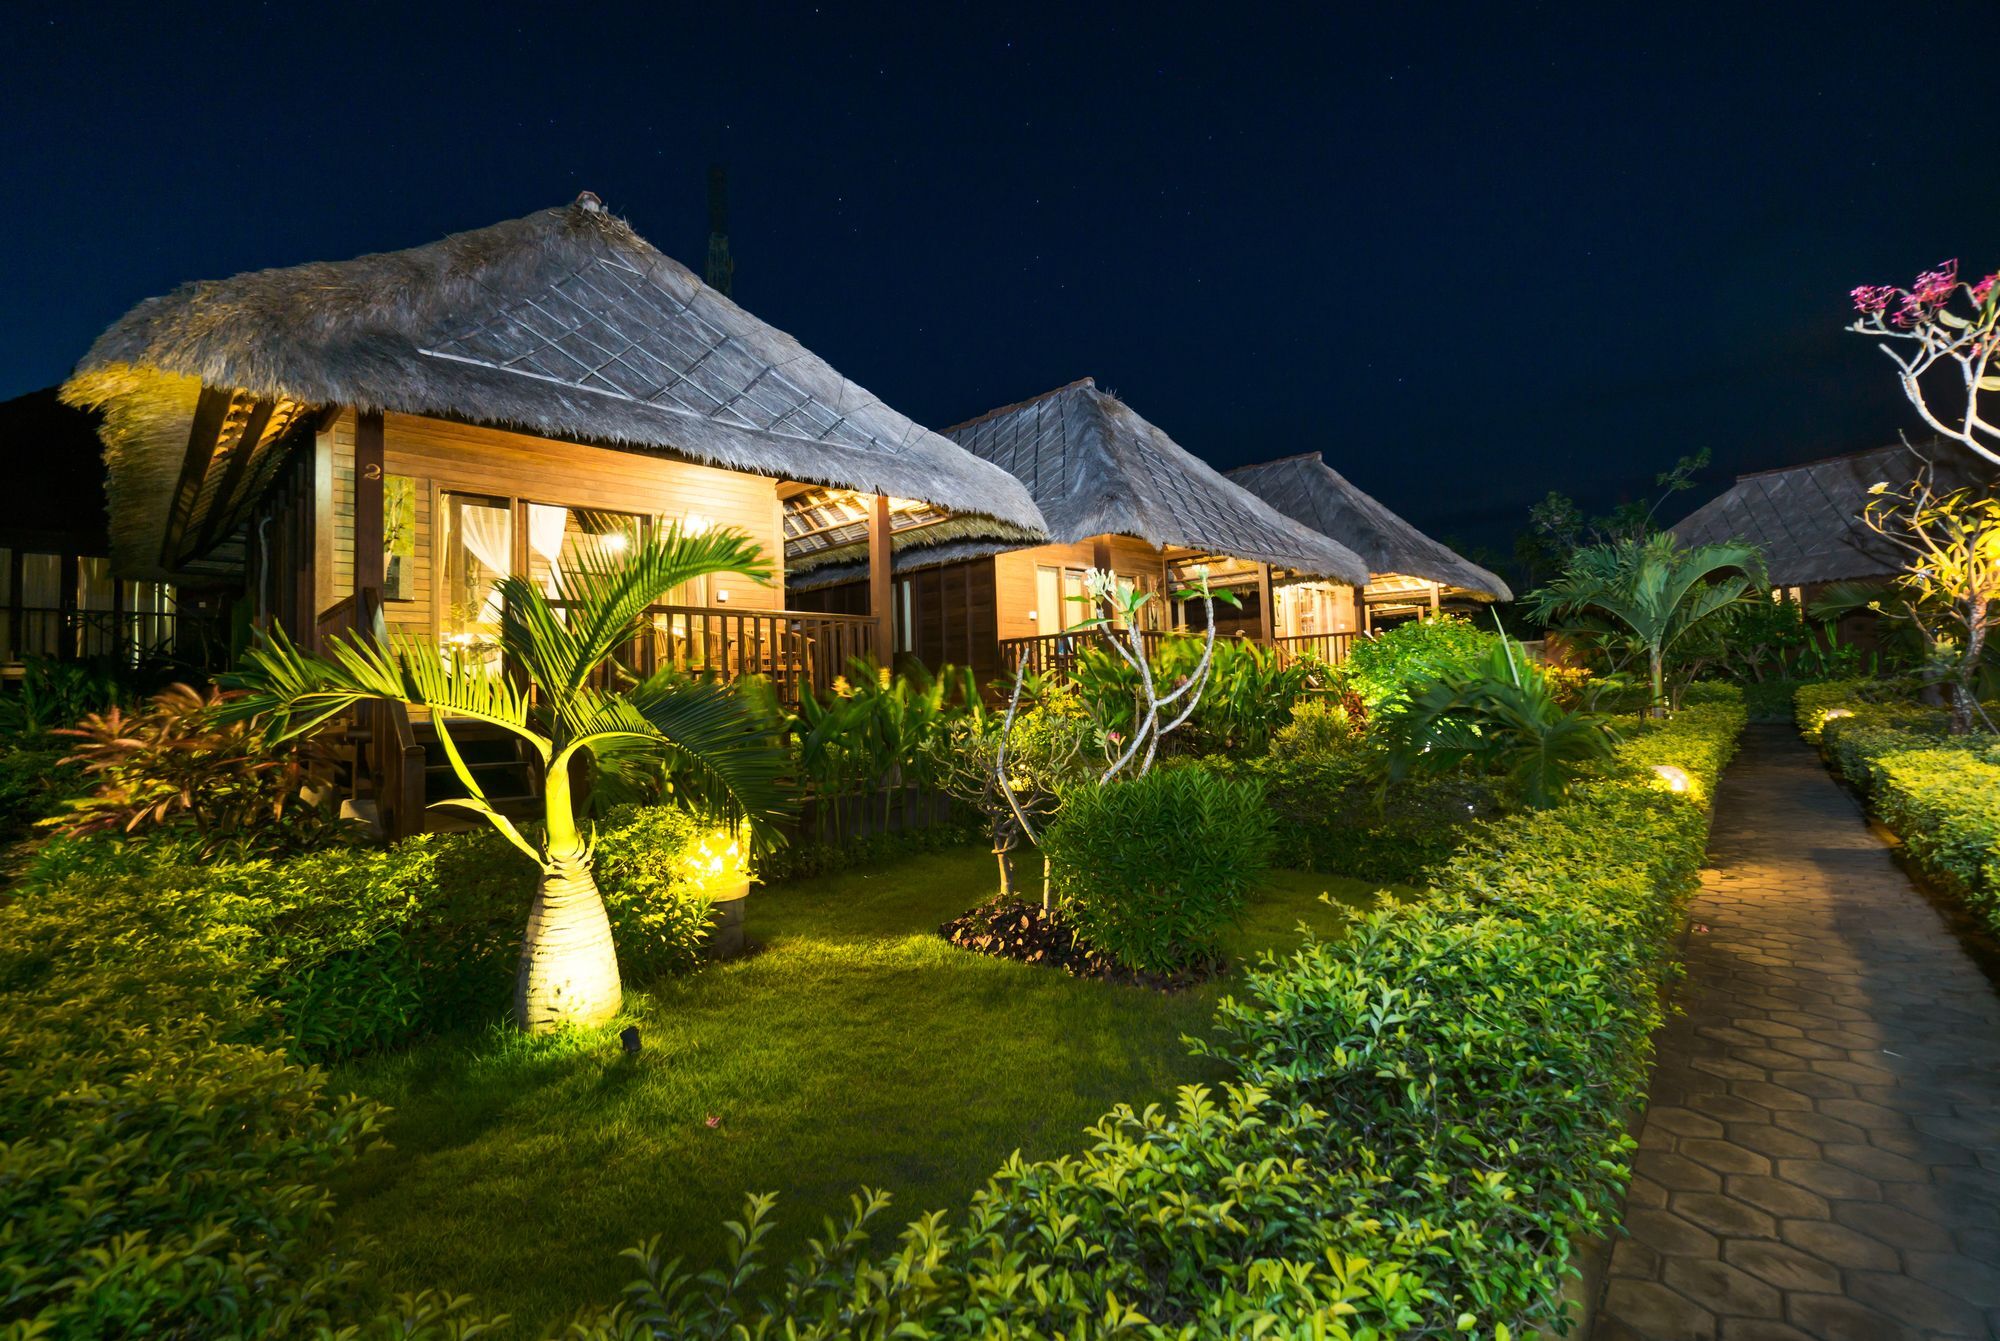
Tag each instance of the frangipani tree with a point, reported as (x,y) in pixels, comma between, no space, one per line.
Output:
(1118,605)
(1654,593)
(1950,583)
(723,751)
(1940,320)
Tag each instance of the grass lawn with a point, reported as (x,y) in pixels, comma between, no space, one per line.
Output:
(856,1047)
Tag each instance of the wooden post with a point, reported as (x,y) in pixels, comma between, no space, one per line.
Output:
(881,580)
(368,539)
(1436,587)
(1267,623)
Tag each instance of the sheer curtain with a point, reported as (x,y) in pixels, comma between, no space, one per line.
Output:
(546,526)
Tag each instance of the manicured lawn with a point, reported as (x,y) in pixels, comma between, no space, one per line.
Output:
(856,1048)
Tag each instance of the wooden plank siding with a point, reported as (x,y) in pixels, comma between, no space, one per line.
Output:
(1014,576)
(442,457)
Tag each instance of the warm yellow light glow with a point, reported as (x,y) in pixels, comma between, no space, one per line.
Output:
(616,542)
(719,857)
(1832,713)
(1675,778)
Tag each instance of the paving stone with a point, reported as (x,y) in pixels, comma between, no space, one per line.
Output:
(1839,1245)
(1724,1156)
(1822,1155)
(1915,1304)
(1722,1289)
(1782,1265)
(1650,1309)
(1786,1200)
(1832,1317)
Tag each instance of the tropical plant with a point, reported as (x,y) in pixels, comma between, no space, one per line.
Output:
(1649,599)
(51,695)
(1053,746)
(1503,719)
(1249,696)
(1386,668)
(181,764)
(874,733)
(1950,583)
(723,749)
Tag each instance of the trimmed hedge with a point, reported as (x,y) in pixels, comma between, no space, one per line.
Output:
(1426,1116)
(1940,794)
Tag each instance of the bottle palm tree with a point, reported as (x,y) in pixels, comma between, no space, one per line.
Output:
(1654,591)
(726,757)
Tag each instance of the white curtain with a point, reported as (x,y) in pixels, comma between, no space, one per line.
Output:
(545,537)
(484,531)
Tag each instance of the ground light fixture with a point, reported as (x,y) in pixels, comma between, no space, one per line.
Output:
(628,1038)
(1673,777)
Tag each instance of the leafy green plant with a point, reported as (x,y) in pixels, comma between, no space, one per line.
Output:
(1384,670)
(53,694)
(1652,599)
(876,733)
(1501,718)
(1053,747)
(160,1176)
(721,746)
(1153,868)
(1248,697)
(181,765)
(1320,727)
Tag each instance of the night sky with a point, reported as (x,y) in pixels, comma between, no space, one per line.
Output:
(1471,257)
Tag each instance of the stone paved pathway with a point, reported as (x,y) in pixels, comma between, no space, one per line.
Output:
(1821,1157)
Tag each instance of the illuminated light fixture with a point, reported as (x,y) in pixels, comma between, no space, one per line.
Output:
(721,596)
(1833,713)
(616,541)
(1674,777)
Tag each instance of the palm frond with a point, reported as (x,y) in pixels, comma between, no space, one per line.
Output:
(725,750)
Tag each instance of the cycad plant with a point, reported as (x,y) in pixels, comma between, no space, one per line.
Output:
(1654,594)
(722,751)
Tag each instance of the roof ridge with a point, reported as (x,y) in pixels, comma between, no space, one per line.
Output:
(1839,456)
(999,410)
(1316,454)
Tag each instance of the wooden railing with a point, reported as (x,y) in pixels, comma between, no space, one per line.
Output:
(790,648)
(1331,648)
(63,634)
(379,746)
(1055,655)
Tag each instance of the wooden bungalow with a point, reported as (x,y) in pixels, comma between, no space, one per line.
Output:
(59,599)
(1808,518)
(376,442)
(1410,574)
(1117,493)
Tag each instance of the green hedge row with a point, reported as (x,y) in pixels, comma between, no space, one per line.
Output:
(1939,794)
(1426,1115)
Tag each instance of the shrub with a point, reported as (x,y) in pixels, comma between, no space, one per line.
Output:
(1321,727)
(34,785)
(159,1177)
(175,765)
(1152,869)
(1939,793)
(358,949)
(1385,669)
(1249,696)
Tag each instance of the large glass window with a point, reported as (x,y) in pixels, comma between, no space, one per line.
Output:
(478,543)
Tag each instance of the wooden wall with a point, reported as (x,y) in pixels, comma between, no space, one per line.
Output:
(1014,576)
(447,457)
(952,614)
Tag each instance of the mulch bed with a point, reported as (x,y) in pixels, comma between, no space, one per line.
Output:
(1018,929)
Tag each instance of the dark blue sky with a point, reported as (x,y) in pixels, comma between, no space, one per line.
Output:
(1473,253)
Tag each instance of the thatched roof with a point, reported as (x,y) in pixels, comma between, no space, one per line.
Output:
(1312,493)
(1096,468)
(1807,518)
(565,324)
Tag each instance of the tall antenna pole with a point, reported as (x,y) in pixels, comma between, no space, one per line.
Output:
(721,275)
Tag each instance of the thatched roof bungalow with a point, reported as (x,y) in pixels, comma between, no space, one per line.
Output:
(564,325)
(1808,518)
(380,441)
(1408,571)
(1118,493)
